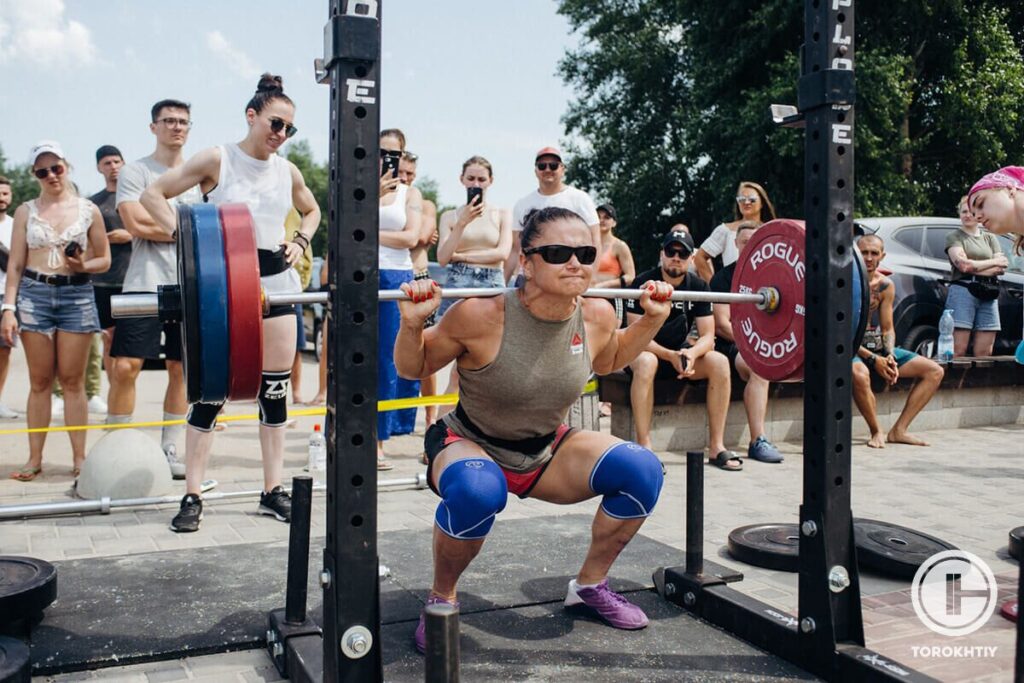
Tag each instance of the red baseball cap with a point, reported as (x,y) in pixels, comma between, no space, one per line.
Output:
(549,151)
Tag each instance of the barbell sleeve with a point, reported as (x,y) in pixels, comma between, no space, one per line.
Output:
(148,305)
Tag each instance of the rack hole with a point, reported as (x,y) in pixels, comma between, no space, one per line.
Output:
(357,520)
(357,399)
(359,194)
(360,112)
(358,235)
(358,276)
(360,71)
(357,480)
(840,350)
(357,358)
(356,440)
(359,152)
(359,318)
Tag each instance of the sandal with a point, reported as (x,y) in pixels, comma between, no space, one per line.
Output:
(26,473)
(383,465)
(722,460)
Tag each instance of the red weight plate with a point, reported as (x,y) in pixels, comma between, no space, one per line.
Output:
(245,313)
(772,342)
(1011,610)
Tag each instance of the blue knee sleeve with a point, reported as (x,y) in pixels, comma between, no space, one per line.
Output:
(630,478)
(472,491)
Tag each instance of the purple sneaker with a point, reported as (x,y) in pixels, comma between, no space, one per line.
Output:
(607,605)
(421,628)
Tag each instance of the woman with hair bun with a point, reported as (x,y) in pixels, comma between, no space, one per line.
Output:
(250,172)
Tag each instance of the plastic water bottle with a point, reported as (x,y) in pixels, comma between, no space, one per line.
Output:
(317,463)
(944,350)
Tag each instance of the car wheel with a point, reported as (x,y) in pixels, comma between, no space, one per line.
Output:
(318,339)
(919,338)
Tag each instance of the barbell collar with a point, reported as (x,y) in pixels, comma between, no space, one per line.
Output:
(148,305)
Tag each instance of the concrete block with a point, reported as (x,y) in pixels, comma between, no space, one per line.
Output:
(126,463)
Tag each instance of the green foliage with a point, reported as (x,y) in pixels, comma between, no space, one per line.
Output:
(23,186)
(672,97)
(318,181)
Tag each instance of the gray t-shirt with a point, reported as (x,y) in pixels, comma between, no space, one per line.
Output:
(152,263)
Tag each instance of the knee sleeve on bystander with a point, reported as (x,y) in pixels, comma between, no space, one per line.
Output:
(203,416)
(630,478)
(472,491)
(273,398)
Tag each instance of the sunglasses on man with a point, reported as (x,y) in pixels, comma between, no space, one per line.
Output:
(277,125)
(561,253)
(57,170)
(548,166)
(677,252)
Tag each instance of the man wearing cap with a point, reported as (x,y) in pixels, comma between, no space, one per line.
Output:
(672,355)
(153,262)
(551,191)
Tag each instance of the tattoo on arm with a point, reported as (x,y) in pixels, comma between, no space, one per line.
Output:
(964,265)
(888,342)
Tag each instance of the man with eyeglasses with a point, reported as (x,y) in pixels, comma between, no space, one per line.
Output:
(153,262)
(551,191)
(672,354)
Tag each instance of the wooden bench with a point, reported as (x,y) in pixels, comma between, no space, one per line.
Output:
(975,392)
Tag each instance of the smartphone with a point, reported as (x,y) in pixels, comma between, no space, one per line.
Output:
(390,163)
(73,249)
(472,193)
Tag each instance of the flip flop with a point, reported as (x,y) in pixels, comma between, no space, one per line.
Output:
(383,465)
(722,460)
(26,473)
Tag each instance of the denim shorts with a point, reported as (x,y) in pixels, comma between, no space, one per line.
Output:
(970,312)
(45,308)
(465,275)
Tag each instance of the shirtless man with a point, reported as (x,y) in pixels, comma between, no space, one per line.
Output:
(879,352)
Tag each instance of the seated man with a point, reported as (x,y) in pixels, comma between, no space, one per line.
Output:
(523,358)
(755,394)
(879,352)
(671,356)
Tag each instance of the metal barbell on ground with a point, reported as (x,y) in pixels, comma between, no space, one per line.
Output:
(219,302)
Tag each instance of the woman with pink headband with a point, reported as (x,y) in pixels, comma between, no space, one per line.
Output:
(997,201)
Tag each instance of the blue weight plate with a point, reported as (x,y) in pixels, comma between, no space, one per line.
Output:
(190,339)
(861,309)
(212,295)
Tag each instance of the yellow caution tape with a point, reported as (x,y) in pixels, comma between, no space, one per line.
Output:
(382,407)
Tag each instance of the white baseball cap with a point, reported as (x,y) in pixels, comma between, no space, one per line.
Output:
(44,147)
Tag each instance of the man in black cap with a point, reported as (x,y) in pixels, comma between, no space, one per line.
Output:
(675,354)
(105,285)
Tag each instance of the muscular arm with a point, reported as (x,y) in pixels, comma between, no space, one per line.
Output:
(203,169)
(140,224)
(420,353)
(119,236)
(706,341)
(622,346)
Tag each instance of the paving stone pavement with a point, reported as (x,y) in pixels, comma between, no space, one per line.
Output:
(964,488)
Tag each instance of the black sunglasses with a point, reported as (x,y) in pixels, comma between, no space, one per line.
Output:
(277,125)
(548,166)
(57,170)
(561,253)
(677,252)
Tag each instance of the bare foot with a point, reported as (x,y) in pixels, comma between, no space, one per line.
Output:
(877,440)
(903,437)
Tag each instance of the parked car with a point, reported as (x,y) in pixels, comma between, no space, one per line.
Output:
(916,262)
(313,314)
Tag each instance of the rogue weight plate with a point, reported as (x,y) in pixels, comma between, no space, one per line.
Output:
(892,549)
(190,340)
(1010,610)
(771,343)
(772,546)
(27,587)
(15,661)
(245,312)
(861,309)
(1016,546)
(212,285)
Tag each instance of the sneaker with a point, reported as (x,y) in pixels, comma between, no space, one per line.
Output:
(421,628)
(176,465)
(190,514)
(277,504)
(606,605)
(764,450)
(7,414)
(97,406)
(57,408)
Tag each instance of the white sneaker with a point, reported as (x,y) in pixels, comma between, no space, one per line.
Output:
(176,465)
(97,406)
(57,408)
(7,414)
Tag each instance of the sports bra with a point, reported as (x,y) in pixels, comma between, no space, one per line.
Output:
(39,234)
(609,262)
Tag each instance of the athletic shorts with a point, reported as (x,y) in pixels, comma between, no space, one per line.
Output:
(103,295)
(439,437)
(140,338)
(901,355)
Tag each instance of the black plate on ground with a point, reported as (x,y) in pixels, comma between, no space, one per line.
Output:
(15,665)
(1016,546)
(27,587)
(772,546)
(892,549)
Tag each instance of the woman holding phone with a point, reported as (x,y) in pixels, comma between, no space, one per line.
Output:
(474,241)
(57,240)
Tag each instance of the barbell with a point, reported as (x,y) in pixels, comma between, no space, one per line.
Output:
(220,304)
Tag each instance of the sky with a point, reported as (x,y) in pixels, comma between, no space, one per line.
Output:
(459,77)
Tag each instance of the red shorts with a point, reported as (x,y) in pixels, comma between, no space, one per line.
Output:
(519,483)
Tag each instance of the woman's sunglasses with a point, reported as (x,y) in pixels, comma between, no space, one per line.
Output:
(745,200)
(561,253)
(57,170)
(277,125)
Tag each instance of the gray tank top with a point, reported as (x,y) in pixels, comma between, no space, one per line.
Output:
(526,391)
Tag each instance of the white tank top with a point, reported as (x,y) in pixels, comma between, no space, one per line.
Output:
(392,217)
(266,187)
(39,234)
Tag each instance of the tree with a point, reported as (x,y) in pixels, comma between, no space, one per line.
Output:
(23,186)
(671,107)
(318,181)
